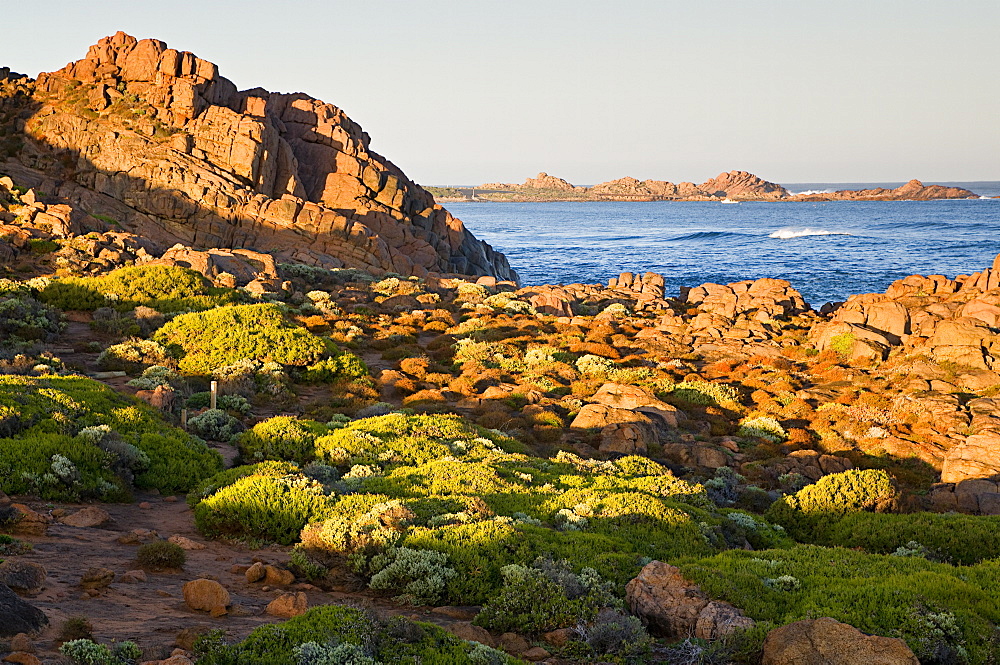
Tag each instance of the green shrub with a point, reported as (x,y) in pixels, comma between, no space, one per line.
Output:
(421,575)
(234,403)
(87,652)
(71,437)
(544,597)
(281,438)
(161,554)
(210,340)
(26,318)
(879,594)
(167,289)
(395,641)
(264,507)
(215,425)
(816,506)
(133,355)
(342,366)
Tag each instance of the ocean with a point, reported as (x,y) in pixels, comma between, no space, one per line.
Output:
(826,250)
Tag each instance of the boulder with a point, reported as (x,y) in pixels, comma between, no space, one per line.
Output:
(206,595)
(827,641)
(976,457)
(23,576)
(288,605)
(186,543)
(636,399)
(671,606)
(256,572)
(17,616)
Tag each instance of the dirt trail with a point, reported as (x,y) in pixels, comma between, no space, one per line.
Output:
(153,612)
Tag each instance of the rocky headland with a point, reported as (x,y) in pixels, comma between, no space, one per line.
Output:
(142,139)
(734,186)
(393,452)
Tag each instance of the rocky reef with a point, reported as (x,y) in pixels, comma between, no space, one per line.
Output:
(140,138)
(734,185)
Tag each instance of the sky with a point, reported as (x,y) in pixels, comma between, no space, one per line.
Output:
(469,91)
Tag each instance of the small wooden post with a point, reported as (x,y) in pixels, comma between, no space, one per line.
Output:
(215,393)
(184,418)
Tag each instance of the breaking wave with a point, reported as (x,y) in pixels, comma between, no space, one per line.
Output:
(788,233)
(814,191)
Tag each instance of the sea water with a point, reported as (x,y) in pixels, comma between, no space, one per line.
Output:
(826,250)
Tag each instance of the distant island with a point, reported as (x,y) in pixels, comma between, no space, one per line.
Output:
(732,186)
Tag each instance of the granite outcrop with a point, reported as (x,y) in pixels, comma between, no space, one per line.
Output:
(142,138)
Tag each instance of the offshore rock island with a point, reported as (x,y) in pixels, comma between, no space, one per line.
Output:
(263,401)
(731,186)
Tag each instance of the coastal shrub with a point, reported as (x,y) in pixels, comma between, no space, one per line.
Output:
(360,524)
(281,438)
(879,594)
(950,537)
(763,427)
(161,554)
(155,376)
(816,506)
(341,366)
(232,403)
(356,637)
(206,341)
(24,317)
(705,393)
(249,377)
(264,507)
(545,596)
(167,289)
(87,652)
(70,437)
(215,425)
(421,575)
(133,355)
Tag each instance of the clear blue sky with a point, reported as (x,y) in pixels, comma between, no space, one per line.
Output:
(465,91)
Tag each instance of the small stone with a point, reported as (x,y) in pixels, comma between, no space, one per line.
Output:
(134,576)
(21,642)
(145,505)
(97,578)
(513,644)
(23,658)
(186,543)
(535,654)
(278,576)
(288,605)
(170,499)
(90,516)
(205,595)
(466,631)
(558,637)
(256,572)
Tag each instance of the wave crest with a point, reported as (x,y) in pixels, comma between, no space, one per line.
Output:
(789,233)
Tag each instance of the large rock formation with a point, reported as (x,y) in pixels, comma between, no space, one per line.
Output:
(157,142)
(546,181)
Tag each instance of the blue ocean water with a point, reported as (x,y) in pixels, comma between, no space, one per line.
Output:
(826,250)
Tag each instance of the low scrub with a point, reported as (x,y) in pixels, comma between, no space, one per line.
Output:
(207,341)
(69,437)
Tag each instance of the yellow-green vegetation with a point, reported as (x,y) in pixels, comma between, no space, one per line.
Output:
(281,438)
(69,437)
(163,288)
(937,608)
(335,634)
(206,341)
(391,485)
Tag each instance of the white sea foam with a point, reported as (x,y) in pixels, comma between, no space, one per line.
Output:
(814,191)
(788,233)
